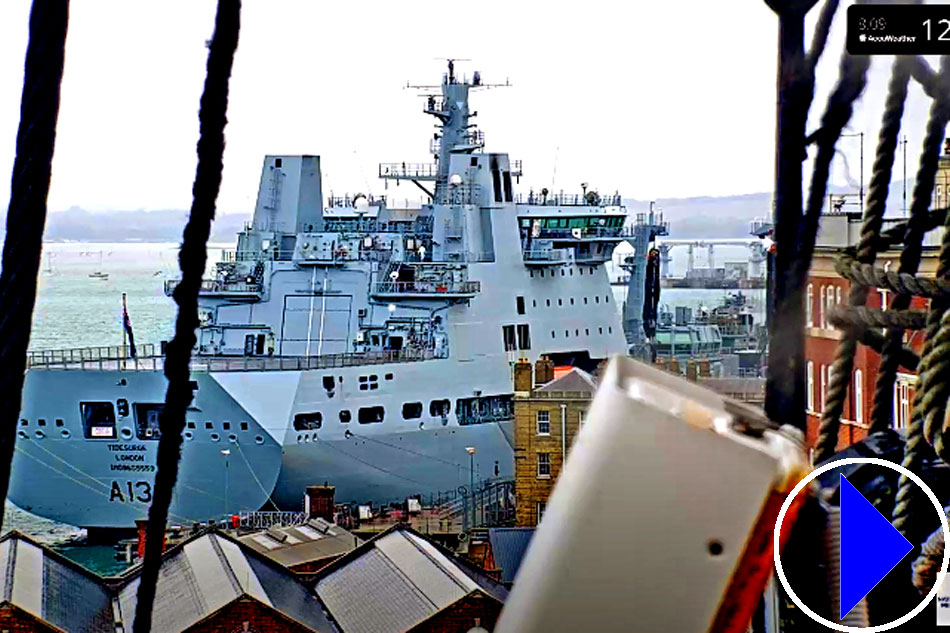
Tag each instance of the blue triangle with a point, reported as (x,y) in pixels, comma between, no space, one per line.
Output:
(870,547)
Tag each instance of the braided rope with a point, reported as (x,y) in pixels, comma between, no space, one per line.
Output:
(867,275)
(927,565)
(870,317)
(866,254)
(26,215)
(926,400)
(192,259)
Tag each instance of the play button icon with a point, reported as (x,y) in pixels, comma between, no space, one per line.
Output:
(870,546)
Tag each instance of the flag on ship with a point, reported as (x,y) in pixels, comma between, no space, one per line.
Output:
(127,324)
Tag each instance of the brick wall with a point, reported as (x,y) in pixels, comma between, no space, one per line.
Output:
(476,609)
(15,620)
(530,489)
(821,344)
(259,618)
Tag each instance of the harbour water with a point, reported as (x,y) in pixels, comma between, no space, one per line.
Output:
(74,310)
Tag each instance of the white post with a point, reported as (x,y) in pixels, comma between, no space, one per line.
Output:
(313,281)
(323,313)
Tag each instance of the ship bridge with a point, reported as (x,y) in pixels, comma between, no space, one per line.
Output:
(570,228)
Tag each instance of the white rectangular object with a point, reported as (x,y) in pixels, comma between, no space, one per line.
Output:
(662,471)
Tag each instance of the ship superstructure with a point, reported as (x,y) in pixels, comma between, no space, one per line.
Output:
(342,341)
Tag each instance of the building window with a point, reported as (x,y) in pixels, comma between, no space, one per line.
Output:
(821,308)
(901,405)
(508,334)
(838,295)
(824,381)
(809,305)
(524,336)
(858,397)
(542,506)
(831,302)
(810,385)
(544,422)
(544,465)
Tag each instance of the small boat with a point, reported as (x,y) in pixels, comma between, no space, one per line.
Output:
(98,274)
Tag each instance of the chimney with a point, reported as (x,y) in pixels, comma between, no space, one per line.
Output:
(320,502)
(523,376)
(142,525)
(543,371)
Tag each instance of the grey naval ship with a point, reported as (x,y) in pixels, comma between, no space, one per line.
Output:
(344,341)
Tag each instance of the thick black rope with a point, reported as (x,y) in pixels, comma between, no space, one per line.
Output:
(866,254)
(192,259)
(914,450)
(869,317)
(26,215)
(870,276)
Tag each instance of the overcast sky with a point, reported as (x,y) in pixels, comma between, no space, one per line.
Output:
(672,98)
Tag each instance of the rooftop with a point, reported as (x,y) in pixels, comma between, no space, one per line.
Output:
(411,579)
(314,541)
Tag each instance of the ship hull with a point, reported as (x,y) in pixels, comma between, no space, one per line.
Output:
(393,466)
(103,482)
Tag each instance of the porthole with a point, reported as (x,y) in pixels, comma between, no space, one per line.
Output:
(23,435)
(243,426)
(299,439)
(24,423)
(232,438)
(258,439)
(215,437)
(126,433)
(65,433)
(189,435)
(39,434)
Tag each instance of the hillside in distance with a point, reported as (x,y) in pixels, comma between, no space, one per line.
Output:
(689,218)
(79,225)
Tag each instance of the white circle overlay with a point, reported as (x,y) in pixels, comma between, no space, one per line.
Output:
(778,561)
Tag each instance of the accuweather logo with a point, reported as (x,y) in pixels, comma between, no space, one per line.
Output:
(887,39)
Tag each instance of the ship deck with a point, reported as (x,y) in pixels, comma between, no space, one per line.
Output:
(117,358)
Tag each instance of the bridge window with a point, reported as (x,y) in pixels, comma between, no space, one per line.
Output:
(440,408)
(41,422)
(147,420)
(524,336)
(560,302)
(371,415)
(585,301)
(548,302)
(519,304)
(411,410)
(308,421)
(98,420)
(508,334)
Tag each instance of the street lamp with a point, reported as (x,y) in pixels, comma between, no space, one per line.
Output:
(226,452)
(471,472)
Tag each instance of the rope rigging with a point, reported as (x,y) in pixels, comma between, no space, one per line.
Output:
(192,259)
(26,215)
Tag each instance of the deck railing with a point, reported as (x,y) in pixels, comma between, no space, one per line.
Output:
(218,286)
(74,360)
(427,287)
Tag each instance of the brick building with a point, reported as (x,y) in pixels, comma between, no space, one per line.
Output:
(548,415)
(827,289)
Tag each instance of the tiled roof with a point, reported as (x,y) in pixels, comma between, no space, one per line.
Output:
(54,589)
(204,574)
(395,581)
(508,546)
(575,380)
